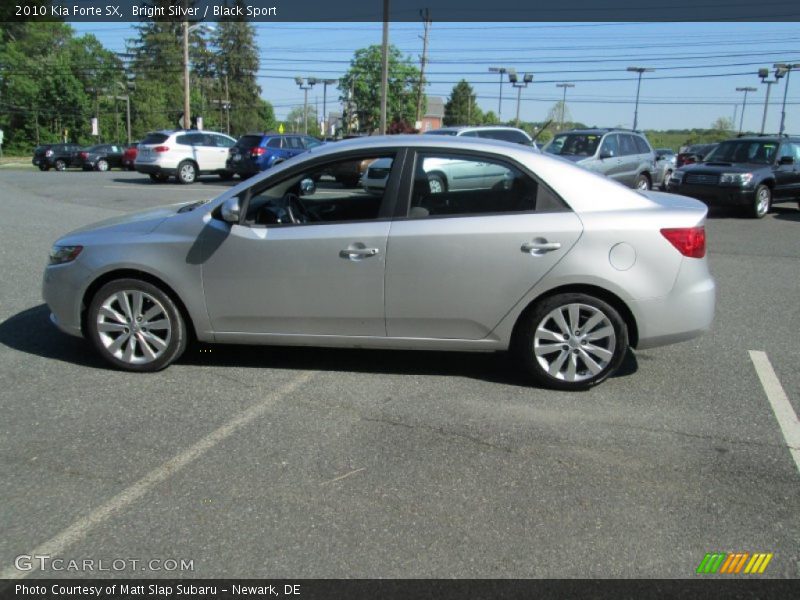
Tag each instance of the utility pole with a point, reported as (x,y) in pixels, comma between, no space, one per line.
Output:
(426,20)
(187,120)
(325,84)
(227,107)
(384,65)
(564,101)
(305,84)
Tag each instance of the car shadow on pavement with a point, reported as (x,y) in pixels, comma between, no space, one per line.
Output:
(785,213)
(30,331)
(210,180)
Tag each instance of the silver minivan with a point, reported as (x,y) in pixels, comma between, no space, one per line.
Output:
(623,155)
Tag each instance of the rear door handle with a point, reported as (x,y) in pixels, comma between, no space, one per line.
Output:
(540,247)
(358,252)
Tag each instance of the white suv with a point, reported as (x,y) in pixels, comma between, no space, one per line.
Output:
(493,132)
(184,155)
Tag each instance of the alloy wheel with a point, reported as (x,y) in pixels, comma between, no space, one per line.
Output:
(134,327)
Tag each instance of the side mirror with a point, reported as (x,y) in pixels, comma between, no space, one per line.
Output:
(231,212)
(307,187)
(786,160)
(606,154)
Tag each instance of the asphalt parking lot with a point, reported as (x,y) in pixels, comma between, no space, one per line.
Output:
(313,463)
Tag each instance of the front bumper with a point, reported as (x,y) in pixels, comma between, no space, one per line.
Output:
(715,195)
(62,291)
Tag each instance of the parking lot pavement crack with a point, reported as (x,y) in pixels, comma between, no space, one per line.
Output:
(442,432)
(707,437)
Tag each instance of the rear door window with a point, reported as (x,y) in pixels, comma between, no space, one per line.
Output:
(154,138)
(275,143)
(627,145)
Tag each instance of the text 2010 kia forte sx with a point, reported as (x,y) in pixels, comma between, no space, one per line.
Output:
(471,245)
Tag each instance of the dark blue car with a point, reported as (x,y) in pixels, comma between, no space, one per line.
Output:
(256,152)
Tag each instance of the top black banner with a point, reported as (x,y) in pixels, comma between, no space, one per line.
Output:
(397,10)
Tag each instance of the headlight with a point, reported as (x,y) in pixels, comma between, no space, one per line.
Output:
(676,177)
(736,178)
(64,254)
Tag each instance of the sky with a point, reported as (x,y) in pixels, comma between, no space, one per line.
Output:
(698,66)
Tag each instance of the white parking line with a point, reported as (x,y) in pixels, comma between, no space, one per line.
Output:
(784,413)
(78,530)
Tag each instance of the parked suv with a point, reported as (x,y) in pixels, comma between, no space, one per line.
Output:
(184,154)
(55,156)
(256,152)
(507,134)
(747,172)
(620,154)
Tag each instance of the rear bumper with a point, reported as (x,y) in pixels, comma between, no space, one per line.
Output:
(715,195)
(153,169)
(243,167)
(685,313)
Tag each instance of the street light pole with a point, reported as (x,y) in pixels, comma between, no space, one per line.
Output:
(187,121)
(564,101)
(305,85)
(640,71)
(514,80)
(325,83)
(763,74)
(501,71)
(744,103)
(384,66)
(780,69)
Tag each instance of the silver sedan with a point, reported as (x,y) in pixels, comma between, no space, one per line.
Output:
(563,267)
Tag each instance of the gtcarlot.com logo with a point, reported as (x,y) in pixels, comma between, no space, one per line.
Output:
(734,563)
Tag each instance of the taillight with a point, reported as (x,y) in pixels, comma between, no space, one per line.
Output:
(161,149)
(257,151)
(689,241)
(84,155)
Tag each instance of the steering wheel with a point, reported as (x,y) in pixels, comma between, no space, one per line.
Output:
(296,210)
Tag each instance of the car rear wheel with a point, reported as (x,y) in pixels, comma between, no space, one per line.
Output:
(642,182)
(60,165)
(437,184)
(102,165)
(571,341)
(136,326)
(762,201)
(187,172)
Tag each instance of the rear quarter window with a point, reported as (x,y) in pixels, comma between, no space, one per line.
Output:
(154,138)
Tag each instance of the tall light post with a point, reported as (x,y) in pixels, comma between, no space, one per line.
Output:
(325,83)
(501,71)
(514,80)
(763,74)
(305,84)
(640,71)
(564,101)
(744,103)
(384,66)
(782,69)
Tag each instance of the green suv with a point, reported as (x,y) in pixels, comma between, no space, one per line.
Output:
(620,154)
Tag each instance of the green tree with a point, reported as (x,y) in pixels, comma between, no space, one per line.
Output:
(490,119)
(462,107)
(237,65)
(294,120)
(361,88)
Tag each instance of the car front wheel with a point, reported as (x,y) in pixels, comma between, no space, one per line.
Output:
(643,182)
(60,165)
(762,201)
(136,326)
(571,341)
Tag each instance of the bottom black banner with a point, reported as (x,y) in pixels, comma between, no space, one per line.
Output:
(399,589)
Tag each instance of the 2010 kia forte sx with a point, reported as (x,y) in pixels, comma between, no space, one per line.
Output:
(470,245)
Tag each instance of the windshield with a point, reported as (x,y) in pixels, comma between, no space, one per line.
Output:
(577,144)
(743,151)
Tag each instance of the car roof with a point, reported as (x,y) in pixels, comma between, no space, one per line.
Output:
(601,130)
(458,128)
(764,138)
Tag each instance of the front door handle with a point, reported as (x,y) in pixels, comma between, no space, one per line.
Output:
(539,247)
(358,252)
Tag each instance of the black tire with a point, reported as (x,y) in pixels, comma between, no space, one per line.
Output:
(606,352)
(437,184)
(165,310)
(643,182)
(186,173)
(60,165)
(102,165)
(762,202)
